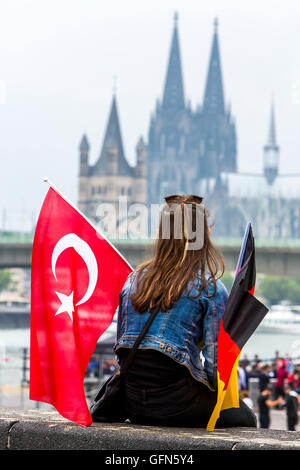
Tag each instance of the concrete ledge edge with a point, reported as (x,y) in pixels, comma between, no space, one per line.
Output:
(40,430)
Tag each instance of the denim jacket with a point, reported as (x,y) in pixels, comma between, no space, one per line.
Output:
(190,327)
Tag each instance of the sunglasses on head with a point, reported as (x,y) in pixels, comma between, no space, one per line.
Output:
(183,198)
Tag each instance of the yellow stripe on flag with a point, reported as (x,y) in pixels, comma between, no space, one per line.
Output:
(226,399)
(231,399)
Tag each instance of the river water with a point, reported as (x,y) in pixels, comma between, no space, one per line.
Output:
(266,344)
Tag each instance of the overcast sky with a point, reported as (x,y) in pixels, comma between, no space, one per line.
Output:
(58,60)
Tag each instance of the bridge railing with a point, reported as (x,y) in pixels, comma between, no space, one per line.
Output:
(27,237)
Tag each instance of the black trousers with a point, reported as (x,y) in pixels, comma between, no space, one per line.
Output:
(291,423)
(264,421)
(186,403)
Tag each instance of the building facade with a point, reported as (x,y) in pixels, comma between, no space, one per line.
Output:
(270,200)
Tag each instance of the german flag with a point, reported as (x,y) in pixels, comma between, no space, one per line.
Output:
(243,314)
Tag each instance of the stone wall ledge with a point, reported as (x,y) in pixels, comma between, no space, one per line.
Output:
(47,430)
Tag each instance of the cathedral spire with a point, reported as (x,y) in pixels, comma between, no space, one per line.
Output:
(84,148)
(173,97)
(112,158)
(214,95)
(84,144)
(271,151)
(272,131)
(113,133)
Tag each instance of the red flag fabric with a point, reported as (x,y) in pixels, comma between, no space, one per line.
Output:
(76,278)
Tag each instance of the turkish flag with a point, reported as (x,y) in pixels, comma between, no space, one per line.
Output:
(76,278)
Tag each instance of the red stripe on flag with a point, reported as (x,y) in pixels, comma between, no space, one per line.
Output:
(251,291)
(228,351)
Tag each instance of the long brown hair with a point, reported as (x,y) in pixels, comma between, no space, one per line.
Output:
(161,281)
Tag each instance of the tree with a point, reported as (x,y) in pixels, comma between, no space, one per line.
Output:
(275,289)
(6,281)
(227,280)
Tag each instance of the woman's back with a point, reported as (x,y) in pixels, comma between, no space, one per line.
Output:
(191,325)
(168,383)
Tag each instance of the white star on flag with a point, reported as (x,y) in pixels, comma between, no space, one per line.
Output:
(67,304)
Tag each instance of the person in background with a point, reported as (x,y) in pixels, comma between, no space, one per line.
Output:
(242,378)
(292,406)
(264,378)
(289,364)
(281,376)
(264,405)
(93,367)
(245,361)
(246,399)
(256,359)
(244,365)
(252,373)
(297,370)
(272,370)
(277,357)
(293,379)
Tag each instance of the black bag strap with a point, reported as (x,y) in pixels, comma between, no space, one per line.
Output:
(137,343)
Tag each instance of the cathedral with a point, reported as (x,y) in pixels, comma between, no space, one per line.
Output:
(193,151)
(187,146)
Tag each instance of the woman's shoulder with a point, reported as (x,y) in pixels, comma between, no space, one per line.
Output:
(221,291)
(128,283)
(221,288)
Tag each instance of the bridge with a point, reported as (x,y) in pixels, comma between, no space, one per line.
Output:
(276,260)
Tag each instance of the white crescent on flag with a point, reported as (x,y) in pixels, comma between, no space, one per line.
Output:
(71,240)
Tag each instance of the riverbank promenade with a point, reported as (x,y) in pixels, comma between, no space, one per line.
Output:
(15,399)
(47,430)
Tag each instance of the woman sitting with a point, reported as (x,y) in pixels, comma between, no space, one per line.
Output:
(169,383)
